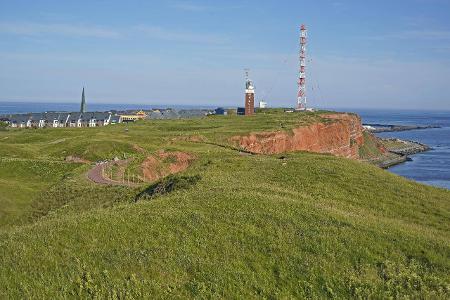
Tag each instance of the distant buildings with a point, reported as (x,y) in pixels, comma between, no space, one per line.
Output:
(220,111)
(240,111)
(127,117)
(96,119)
(162,114)
(262,104)
(61,119)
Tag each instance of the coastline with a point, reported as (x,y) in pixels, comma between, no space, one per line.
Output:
(378,128)
(399,151)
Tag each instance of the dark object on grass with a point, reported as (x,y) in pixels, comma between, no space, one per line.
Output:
(3,125)
(167,185)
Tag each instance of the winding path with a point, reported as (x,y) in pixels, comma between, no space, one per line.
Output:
(96,174)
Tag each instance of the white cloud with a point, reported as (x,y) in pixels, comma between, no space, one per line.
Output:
(27,29)
(179,36)
(38,29)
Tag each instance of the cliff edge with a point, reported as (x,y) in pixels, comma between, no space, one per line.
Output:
(340,134)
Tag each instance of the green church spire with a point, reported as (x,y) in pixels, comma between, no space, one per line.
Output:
(83,103)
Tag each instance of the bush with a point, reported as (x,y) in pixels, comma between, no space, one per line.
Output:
(167,185)
(3,126)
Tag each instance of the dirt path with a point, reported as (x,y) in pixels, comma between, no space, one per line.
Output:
(96,174)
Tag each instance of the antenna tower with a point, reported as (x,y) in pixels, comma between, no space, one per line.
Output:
(246,72)
(301,96)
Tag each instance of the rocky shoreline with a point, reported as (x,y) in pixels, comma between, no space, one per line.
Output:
(400,150)
(377,128)
(392,161)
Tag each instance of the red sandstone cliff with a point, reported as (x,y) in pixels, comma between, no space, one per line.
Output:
(339,134)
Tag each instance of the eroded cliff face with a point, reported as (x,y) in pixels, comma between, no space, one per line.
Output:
(339,134)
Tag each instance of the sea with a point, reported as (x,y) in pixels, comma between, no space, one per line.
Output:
(431,167)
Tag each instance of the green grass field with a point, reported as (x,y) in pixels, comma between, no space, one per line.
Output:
(231,226)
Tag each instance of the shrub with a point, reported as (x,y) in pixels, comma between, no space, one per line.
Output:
(3,126)
(167,185)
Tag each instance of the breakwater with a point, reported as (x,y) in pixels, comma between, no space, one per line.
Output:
(405,147)
(377,128)
(400,150)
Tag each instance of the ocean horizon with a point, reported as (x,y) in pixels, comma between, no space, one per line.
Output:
(19,107)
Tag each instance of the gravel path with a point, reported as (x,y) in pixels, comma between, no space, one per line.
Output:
(96,174)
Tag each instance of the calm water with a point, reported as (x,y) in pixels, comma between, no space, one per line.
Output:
(432,167)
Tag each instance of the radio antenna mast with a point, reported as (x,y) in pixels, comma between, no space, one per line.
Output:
(301,95)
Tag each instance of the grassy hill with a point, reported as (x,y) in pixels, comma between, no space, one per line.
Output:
(230,226)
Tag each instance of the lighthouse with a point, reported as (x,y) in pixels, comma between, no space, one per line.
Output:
(249,96)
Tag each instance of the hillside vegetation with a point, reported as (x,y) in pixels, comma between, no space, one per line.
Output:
(233,225)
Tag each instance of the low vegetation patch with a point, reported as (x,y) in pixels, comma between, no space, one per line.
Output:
(164,163)
(168,185)
(3,126)
(372,147)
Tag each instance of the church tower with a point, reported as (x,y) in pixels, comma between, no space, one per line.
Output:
(83,103)
(249,96)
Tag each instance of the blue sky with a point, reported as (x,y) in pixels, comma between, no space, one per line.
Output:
(386,54)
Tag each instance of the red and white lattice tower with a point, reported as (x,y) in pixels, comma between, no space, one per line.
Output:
(301,96)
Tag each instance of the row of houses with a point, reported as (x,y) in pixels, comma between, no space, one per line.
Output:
(95,119)
(61,119)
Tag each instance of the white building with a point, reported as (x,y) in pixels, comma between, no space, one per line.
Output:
(262,104)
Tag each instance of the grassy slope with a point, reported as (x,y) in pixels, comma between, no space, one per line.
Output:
(309,225)
(31,160)
(21,180)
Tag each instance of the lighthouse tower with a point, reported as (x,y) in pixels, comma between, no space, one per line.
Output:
(249,96)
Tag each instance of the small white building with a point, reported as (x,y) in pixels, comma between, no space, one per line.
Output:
(262,104)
